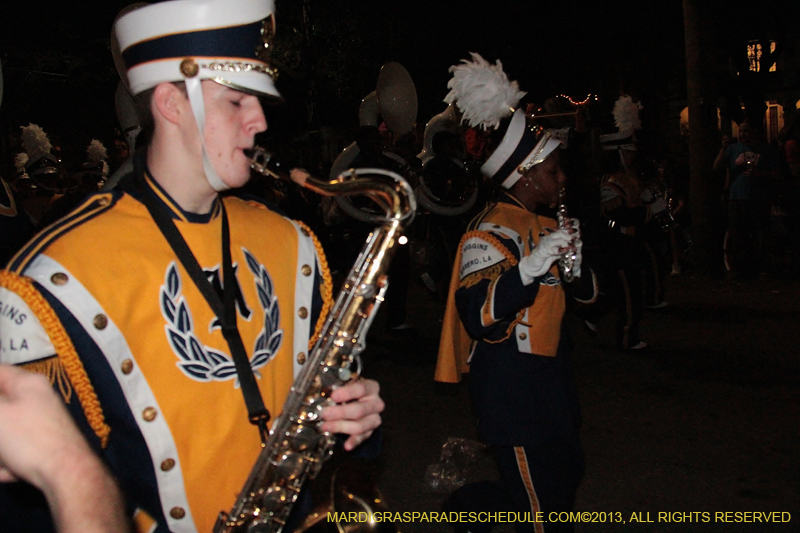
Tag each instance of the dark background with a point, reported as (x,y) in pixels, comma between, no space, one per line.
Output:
(59,72)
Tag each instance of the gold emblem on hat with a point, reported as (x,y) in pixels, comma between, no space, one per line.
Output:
(264,49)
(189,68)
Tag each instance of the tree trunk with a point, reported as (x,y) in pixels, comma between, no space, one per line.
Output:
(708,221)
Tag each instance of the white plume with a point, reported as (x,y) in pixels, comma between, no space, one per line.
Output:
(626,113)
(482,92)
(20,160)
(96,151)
(35,141)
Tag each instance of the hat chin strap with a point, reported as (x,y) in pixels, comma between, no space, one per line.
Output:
(619,151)
(194,89)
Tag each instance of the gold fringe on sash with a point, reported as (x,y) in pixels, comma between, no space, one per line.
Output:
(67,364)
(326,289)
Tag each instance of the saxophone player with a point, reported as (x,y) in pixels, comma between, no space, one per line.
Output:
(503,325)
(170,313)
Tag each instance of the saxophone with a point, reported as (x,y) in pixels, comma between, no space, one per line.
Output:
(296,447)
(566,262)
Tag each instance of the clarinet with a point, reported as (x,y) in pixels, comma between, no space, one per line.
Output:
(566,263)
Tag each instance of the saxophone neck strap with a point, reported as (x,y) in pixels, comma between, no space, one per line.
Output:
(224,309)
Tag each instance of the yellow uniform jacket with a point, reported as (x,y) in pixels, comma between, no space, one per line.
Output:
(151,380)
(502,235)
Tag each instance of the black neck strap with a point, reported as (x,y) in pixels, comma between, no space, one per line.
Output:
(225,310)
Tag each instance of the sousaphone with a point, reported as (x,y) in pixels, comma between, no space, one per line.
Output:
(463,196)
(394,101)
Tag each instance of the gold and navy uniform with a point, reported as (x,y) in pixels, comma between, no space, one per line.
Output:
(150,379)
(509,337)
(622,208)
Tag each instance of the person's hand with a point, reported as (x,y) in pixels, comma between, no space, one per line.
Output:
(550,247)
(356,413)
(726,141)
(36,431)
(40,443)
(577,248)
(573,225)
(658,206)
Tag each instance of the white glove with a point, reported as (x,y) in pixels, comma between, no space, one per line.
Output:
(576,265)
(658,206)
(538,262)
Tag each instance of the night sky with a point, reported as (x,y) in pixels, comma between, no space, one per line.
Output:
(59,72)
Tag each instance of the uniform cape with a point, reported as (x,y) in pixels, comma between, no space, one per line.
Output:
(455,344)
(545,313)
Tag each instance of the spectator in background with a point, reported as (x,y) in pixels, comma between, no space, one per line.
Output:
(751,164)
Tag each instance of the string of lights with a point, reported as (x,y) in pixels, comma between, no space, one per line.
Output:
(576,103)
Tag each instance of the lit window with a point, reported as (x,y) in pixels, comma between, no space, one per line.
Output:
(754,53)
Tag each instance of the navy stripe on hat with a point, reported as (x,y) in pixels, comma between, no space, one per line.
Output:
(524,148)
(234,41)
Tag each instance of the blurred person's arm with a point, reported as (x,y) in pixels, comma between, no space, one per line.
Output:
(39,443)
(718,162)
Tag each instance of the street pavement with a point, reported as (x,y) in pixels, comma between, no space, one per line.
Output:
(704,422)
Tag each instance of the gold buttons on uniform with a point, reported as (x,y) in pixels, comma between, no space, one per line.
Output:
(59,278)
(127,366)
(100,322)
(177,513)
(302,312)
(306,270)
(522,336)
(301,358)
(189,68)
(149,414)
(167,465)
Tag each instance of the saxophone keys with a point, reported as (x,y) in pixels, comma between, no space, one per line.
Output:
(303,437)
(366,290)
(289,466)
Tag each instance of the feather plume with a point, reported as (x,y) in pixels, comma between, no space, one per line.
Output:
(482,92)
(96,152)
(626,114)
(20,160)
(35,141)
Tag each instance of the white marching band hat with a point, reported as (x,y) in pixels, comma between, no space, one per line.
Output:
(626,119)
(522,147)
(485,97)
(217,40)
(194,40)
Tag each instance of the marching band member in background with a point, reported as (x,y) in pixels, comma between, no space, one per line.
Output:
(503,322)
(154,339)
(16,226)
(625,214)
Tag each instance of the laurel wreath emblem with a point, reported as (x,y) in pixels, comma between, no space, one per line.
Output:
(201,362)
(269,340)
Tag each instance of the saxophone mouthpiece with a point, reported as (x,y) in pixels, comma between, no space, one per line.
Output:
(299,176)
(266,163)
